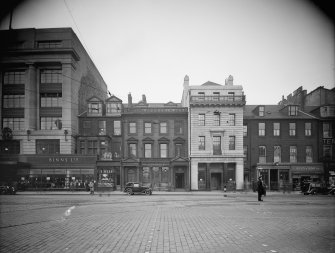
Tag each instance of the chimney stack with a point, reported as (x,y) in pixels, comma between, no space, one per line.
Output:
(130,100)
(186,82)
(144,99)
(230,80)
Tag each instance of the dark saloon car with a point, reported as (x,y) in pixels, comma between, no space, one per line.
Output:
(133,187)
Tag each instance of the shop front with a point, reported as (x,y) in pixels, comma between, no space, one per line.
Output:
(108,175)
(60,172)
(280,176)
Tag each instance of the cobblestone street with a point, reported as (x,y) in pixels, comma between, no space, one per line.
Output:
(167,222)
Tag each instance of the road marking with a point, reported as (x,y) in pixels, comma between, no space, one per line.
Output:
(264,245)
(273,251)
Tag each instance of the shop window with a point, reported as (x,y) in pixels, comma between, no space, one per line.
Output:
(117,127)
(261,129)
(201,118)
(327,151)
(201,142)
(146,175)
(165,174)
(276,129)
(201,179)
(10,147)
(163,148)
(293,154)
(262,154)
(276,154)
(47,147)
(292,129)
(308,129)
(309,154)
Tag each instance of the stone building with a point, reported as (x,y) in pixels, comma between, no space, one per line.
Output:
(46,78)
(155,145)
(215,122)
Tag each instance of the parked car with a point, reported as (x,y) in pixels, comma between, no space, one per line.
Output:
(134,187)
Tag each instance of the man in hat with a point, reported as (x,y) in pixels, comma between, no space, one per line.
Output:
(260,188)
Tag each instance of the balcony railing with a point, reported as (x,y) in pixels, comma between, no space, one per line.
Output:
(226,100)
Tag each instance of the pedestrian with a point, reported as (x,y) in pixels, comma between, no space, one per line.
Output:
(91,185)
(260,188)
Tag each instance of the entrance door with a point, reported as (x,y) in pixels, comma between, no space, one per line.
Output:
(180,180)
(215,181)
(274,179)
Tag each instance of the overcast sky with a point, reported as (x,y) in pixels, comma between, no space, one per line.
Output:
(270,47)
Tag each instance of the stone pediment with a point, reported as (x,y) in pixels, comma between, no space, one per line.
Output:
(179,139)
(179,159)
(113,99)
(163,139)
(131,160)
(94,99)
(147,139)
(132,139)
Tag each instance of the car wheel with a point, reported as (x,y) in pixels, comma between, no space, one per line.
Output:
(130,192)
(147,192)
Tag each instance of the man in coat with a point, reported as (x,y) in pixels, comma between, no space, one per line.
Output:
(260,188)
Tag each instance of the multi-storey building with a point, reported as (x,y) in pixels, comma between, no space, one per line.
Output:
(321,103)
(46,78)
(155,145)
(215,121)
(281,144)
(100,135)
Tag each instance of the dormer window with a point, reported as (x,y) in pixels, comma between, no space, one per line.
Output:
(95,108)
(113,108)
(261,110)
(293,110)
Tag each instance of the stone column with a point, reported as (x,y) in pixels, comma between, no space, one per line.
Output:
(239,174)
(32,105)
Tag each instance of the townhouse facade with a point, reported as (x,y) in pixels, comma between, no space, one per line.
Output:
(281,145)
(155,145)
(46,78)
(215,122)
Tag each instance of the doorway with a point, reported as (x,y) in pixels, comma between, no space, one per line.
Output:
(216,181)
(180,180)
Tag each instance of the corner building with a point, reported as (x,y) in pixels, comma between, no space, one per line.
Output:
(215,123)
(46,78)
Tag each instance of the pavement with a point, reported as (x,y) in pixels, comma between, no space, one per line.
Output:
(166,222)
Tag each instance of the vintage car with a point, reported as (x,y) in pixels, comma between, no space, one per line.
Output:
(134,187)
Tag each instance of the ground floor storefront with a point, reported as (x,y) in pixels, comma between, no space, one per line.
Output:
(159,174)
(290,176)
(216,174)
